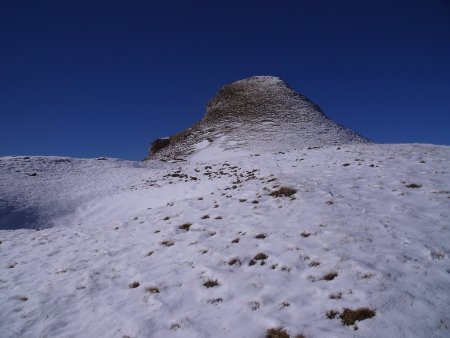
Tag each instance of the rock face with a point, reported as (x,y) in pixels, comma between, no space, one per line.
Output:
(159,144)
(258,114)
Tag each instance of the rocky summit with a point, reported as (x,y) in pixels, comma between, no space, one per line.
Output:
(258,114)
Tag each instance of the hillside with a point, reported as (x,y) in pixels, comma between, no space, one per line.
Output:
(257,114)
(204,248)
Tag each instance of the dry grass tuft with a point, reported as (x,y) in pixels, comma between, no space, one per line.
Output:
(152,289)
(280,333)
(330,276)
(210,283)
(283,191)
(260,256)
(332,314)
(414,186)
(185,226)
(234,260)
(175,326)
(314,264)
(134,285)
(349,317)
(215,301)
(167,242)
(277,333)
(336,295)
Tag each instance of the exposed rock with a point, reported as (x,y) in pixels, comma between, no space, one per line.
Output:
(159,144)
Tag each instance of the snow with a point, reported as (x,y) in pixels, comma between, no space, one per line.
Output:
(201,145)
(75,236)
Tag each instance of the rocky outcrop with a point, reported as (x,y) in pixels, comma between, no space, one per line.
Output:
(261,113)
(159,144)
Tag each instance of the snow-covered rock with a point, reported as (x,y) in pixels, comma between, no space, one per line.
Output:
(259,114)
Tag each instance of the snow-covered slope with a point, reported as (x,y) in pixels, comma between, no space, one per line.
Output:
(161,249)
(258,114)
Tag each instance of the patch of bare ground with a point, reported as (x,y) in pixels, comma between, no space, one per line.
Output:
(185,226)
(210,283)
(283,192)
(167,242)
(234,260)
(349,316)
(280,333)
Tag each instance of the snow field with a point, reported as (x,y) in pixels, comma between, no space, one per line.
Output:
(368,227)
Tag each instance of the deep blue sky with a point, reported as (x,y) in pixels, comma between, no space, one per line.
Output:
(91,78)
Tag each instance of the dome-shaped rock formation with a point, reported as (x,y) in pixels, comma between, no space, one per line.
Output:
(261,113)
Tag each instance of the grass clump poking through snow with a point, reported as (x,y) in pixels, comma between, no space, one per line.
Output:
(283,191)
(314,264)
(330,276)
(215,301)
(260,256)
(185,226)
(414,186)
(152,289)
(134,285)
(167,243)
(349,317)
(277,333)
(336,295)
(234,260)
(210,283)
(332,314)
(280,333)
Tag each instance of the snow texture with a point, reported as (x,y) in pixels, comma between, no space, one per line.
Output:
(112,248)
